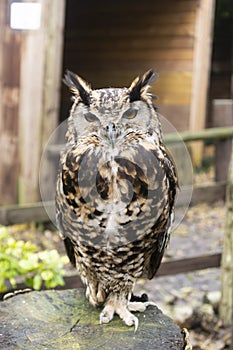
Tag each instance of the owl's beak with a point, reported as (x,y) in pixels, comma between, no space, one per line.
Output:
(111,132)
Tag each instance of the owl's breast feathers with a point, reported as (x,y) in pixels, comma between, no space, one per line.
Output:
(124,198)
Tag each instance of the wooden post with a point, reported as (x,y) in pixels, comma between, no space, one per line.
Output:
(201,70)
(65,320)
(39,95)
(30,72)
(222,116)
(10,47)
(226,305)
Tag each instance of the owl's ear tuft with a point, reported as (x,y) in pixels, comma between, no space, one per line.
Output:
(141,85)
(78,86)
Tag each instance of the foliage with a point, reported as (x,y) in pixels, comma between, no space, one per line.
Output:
(19,258)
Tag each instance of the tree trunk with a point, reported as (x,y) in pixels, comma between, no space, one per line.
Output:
(65,320)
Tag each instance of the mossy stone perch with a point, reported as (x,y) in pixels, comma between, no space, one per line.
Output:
(65,320)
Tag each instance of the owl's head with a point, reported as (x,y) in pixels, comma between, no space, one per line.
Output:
(112,113)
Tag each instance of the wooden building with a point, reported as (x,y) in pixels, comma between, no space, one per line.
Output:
(108,43)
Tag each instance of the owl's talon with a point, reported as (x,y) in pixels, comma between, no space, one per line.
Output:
(101,318)
(107,314)
(136,323)
(104,318)
(130,320)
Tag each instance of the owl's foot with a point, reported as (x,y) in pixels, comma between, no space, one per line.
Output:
(123,309)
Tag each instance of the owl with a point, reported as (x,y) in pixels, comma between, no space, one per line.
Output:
(115,192)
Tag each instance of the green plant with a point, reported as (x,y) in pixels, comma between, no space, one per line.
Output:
(19,258)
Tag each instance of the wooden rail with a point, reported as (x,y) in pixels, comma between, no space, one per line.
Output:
(202,135)
(221,133)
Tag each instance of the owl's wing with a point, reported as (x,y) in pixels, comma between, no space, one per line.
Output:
(67,241)
(157,253)
(164,222)
(70,250)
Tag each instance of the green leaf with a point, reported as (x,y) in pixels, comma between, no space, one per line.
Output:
(37,282)
(47,275)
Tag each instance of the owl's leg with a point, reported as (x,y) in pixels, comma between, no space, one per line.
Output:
(101,295)
(91,293)
(95,293)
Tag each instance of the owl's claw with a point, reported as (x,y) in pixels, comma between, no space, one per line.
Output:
(104,318)
(131,320)
(107,314)
(136,323)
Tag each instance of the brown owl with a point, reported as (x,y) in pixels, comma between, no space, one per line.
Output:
(115,192)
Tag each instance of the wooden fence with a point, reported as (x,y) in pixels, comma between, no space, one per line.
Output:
(35,212)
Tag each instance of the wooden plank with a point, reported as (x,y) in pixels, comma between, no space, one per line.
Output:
(178,115)
(201,70)
(135,31)
(119,17)
(31,113)
(173,88)
(137,43)
(10,46)
(121,56)
(39,96)
(53,52)
(16,214)
(174,267)
(103,7)
(208,193)
(164,17)
(128,70)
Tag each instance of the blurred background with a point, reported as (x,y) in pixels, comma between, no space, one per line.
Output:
(189,43)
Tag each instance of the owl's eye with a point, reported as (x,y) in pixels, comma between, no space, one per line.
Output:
(90,117)
(130,113)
